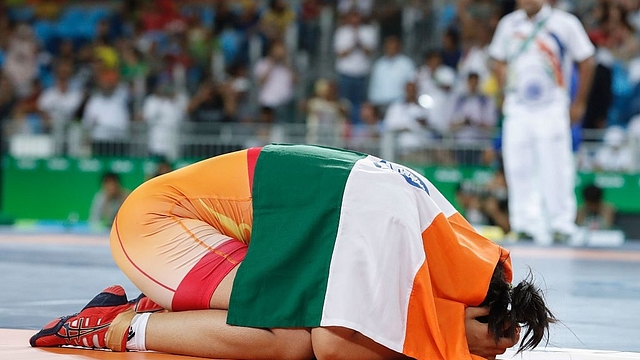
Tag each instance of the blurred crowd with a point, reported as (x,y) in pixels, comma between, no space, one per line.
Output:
(86,72)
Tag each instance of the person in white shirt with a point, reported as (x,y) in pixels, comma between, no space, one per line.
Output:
(390,74)
(476,59)
(276,80)
(438,99)
(615,154)
(354,44)
(535,49)
(106,117)
(163,111)
(60,103)
(472,121)
(426,72)
(410,122)
(363,7)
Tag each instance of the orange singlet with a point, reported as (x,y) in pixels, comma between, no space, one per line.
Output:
(177,236)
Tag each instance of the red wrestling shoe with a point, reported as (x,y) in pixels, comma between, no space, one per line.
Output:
(142,304)
(103,324)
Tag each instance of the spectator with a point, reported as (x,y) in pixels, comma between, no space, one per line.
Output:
(107,201)
(275,22)
(363,7)
(276,81)
(354,43)
(66,51)
(494,201)
(266,130)
(365,135)
(439,99)
(390,74)
(104,33)
(618,42)
(633,8)
(595,213)
(164,111)
(472,121)
(238,86)
(451,50)
(24,122)
(85,64)
(469,204)
(209,109)
(27,118)
(163,166)
(426,72)
(200,42)
(209,106)
(473,16)
(161,15)
(104,49)
(106,117)
(135,73)
(248,25)
(615,154)
(620,38)
(309,26)
(419,23)
(59,104)
(476,58)
(326,116)
(133,66)
(485,205)
(390,18)
(21,65)
(411,122)
(225,17)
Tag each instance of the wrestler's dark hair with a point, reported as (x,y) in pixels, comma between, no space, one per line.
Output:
(522,305)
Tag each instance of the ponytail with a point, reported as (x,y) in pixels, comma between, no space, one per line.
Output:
(510,308)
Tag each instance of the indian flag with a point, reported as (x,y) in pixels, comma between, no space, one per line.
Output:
(346,239)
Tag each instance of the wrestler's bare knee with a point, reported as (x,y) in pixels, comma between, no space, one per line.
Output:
(329,342)
(297,345)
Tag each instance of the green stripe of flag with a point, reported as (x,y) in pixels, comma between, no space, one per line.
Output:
(297,196)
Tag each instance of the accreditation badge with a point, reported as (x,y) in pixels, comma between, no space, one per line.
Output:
(534,86)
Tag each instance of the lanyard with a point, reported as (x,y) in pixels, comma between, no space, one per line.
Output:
(530,38)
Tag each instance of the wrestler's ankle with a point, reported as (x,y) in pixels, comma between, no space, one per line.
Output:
(117,335)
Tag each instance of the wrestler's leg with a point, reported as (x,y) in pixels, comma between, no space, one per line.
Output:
(209,327)
(222,294)
(205,333)
(338,343)
(178,263)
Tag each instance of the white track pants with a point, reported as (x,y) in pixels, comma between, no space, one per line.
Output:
(540,171)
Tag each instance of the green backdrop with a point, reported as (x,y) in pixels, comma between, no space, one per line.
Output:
(60,188)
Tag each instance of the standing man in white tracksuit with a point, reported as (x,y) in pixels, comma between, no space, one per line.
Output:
(535,49)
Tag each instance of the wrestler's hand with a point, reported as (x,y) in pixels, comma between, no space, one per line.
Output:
(481,342)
